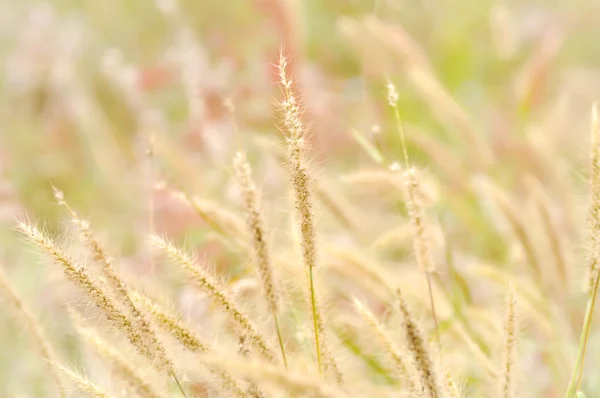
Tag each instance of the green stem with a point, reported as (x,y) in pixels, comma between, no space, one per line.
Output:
(315,320)
(433,312)
(178,384)
(575,381)
(280,338)
(401,132)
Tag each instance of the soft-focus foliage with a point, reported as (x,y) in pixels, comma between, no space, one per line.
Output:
(133,111)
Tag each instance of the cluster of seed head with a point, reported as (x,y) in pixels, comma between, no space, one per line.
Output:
(97,295)
(120,290)
(218,294)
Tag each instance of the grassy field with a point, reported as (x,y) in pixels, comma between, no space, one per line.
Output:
(263,198)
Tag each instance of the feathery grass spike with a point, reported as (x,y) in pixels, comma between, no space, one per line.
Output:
(594,210)
(123,368)
(120,290)
(259,241)
(83,383)
(296,132)
(99,297)
(217,293)
(414,209)
(183,333)
(418,347)
(391,348)
(417,219)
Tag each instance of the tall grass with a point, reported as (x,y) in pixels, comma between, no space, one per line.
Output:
(300,277)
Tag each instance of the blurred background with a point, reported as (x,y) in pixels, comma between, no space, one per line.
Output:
(121,103)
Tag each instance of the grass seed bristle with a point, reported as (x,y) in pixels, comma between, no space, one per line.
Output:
(418,347)
(218,294)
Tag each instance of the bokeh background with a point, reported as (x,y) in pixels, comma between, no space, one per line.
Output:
(120,103)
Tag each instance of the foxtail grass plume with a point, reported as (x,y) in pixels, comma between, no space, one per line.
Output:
(122,368)
(421,237)
(386,340)
(97,295)
(296,141)
(301,181)
(417,219)
(83,383)
(186,336)
(252,391)
(259,240)
(594,205)
(218,294)
(417,345)
(118,286)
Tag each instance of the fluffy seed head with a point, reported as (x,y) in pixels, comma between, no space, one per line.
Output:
(217,293)
(417,219)
(594,205)
(418,347)
(256,229)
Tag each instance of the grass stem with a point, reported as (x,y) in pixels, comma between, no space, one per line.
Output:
(315,320)
(575,381)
